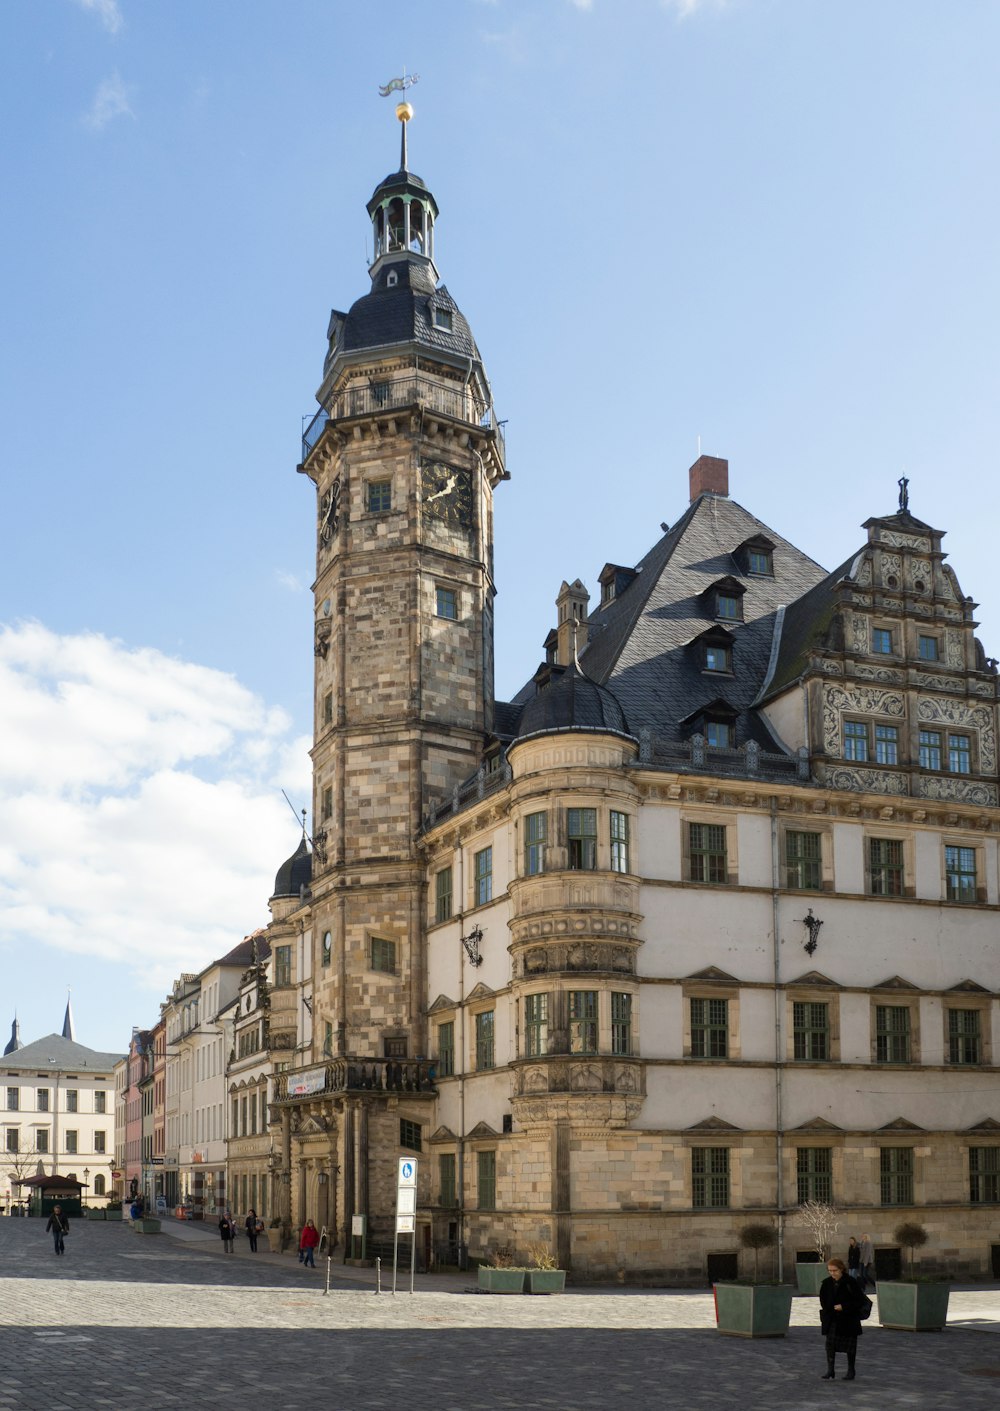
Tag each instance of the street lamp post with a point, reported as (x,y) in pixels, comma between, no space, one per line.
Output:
(86,1185)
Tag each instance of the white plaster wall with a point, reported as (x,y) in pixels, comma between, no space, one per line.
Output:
(787,716)
(661,1021)
(679,1096)
(660,838)
(754,849)
(855,1028)
(848,858)
(688,928)
(928,860)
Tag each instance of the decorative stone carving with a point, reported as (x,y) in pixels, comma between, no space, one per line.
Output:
(859,634)
(864,577)
(959,790)
(953,653)
(892,567)
(863,700)
(879,673)
(873,781)
(938,683)
(918,571)
(904,541)
(931,710)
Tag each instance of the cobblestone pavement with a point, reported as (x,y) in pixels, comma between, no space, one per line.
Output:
(125,1321)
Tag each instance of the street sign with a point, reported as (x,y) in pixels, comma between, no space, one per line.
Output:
(406,1213)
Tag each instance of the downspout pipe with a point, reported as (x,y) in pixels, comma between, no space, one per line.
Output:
(779,1136)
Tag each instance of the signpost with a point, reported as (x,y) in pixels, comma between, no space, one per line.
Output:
(406,1214)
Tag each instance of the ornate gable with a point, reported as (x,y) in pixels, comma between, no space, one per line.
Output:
(713,1124)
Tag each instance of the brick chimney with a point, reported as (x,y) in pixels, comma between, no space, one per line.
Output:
(709,476)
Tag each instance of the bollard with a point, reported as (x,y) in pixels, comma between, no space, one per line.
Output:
(378,1273)
(327,1289)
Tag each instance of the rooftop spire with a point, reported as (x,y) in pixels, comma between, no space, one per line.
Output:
(15,1038)
(67,1030)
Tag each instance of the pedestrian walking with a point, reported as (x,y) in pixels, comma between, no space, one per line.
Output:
(854,1259)
(254,1227)
(308,1241)
(841,1301)
(867,1262)
(228,1232)
(59,1227)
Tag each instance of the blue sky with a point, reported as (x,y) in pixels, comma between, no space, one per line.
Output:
(767,224)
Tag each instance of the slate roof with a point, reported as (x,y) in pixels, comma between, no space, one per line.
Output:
(641,643)
(403,313)
(62,1056)
(572,701)
(294,873)
(242,954)
(809,624)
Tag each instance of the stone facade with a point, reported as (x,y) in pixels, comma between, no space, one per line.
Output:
(698,926)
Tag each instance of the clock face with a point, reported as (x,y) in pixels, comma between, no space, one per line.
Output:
(329,512)
(446,493)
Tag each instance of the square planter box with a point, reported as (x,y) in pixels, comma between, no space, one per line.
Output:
(112,1215)
(914,1308)
(753,1310)
(501,1280)
(95,1214)
(546,1280)
(146,1227)
(809,1277)
(274,1238)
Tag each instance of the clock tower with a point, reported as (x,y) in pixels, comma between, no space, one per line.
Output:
(405,453)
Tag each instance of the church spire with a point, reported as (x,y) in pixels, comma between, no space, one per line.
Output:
(15,1038)
(67,1029)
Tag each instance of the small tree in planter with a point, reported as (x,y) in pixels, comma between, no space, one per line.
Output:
(916,1304)
(503,1275)
(758,1237)
(823,1222)
(911,1236)
(754,1310)
(544,1275)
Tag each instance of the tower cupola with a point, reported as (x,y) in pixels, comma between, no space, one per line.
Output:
(402,211)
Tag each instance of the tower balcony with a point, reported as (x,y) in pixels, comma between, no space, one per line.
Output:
(412,1076)
(457,406)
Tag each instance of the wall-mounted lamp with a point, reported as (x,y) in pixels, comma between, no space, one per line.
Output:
(471,944)
(812,925)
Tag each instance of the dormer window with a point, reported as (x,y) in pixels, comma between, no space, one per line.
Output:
(614,578)
(443,318)
(756,556)
(714,650)
(391,279)
(718,734)
(716,722)
(724,599)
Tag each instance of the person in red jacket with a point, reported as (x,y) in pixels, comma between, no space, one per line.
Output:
(308,1241)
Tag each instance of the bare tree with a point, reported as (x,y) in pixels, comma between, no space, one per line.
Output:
(18,1165)
(823,1222)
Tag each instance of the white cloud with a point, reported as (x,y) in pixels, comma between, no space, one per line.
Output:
(289,581)
(107,12)
(110,101)
(685,8)
(143,820)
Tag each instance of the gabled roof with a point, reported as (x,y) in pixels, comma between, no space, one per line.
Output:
(59,1055)
(638,641)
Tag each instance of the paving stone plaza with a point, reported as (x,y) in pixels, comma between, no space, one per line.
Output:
(127,1321)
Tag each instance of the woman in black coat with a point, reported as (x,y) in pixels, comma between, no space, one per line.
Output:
(840,1304)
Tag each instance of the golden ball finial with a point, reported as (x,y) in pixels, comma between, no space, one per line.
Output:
(404,111)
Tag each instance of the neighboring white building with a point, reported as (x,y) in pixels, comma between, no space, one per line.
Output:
(198,1019)
(58,1114)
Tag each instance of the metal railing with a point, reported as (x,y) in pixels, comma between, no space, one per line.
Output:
(371,398)
(683,756)
(347,1075)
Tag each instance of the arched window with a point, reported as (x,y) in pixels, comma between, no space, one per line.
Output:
(98,1185)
